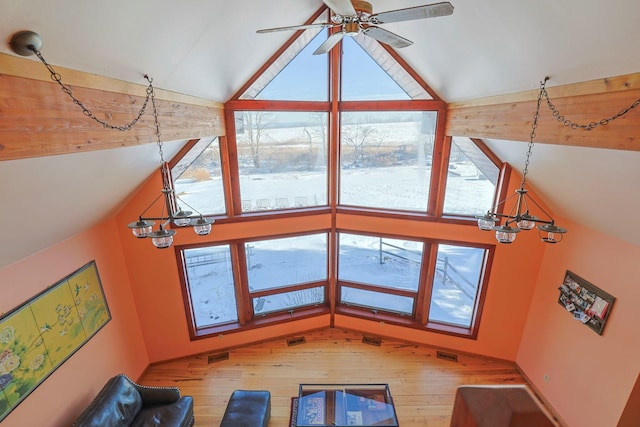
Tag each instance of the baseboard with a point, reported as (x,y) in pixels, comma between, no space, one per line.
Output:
(553,413)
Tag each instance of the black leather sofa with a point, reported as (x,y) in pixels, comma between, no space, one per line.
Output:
(123,403)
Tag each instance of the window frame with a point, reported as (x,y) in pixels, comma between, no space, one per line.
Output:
(247,319)
(422,300)
(332,305)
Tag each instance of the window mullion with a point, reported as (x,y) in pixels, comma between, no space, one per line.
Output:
(439,170)
(238,257)
(425,290)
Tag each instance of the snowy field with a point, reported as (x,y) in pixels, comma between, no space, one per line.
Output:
(289,261)
(394,187)
(283,262)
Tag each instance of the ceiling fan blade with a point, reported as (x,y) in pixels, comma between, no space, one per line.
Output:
(386,37)
(341,7)
(296,27)
(329,43)
(419,12)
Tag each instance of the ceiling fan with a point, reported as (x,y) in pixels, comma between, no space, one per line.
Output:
(356,16)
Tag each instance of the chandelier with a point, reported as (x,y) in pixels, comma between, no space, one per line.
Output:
(26,43)
(519,218)
(163,237)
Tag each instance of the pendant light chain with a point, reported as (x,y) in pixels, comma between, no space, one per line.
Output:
(592,125)
(55,76)
(26,43)
(532,135)
(152,94)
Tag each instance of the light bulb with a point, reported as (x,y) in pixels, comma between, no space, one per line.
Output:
(162,242)
(525,224)
(505,237)
(485,224)
(202,229)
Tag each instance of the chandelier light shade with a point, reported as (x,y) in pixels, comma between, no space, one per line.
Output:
(26,43)
(519,217)
(141,228)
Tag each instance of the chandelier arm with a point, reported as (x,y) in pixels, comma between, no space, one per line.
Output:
(503,202)
(189,206)
(148,207)
(55,76)
(550,221)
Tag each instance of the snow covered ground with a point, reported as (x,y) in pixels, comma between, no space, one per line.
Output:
(394,186)
(282,262)
(288,261)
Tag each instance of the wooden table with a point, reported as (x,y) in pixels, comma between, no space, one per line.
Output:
(497,406)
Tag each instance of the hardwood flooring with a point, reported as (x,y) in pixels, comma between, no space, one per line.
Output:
(422,385)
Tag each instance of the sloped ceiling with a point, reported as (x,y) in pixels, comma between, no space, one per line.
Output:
(209,49)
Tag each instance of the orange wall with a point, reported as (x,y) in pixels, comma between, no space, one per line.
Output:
(117,347)
(512,281)
(590,376)
(156,285)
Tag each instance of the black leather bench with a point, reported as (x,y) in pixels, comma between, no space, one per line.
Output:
(247,408)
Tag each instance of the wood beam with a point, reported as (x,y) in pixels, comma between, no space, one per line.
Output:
(509,117)
(38,119)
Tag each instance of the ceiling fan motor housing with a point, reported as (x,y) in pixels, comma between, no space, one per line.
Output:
(351,28)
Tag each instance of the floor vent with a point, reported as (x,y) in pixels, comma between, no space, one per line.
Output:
(447,356)
(371,340)
(296,341)
(218,357)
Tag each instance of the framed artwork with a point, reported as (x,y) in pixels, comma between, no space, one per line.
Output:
(41,334)
(585,301)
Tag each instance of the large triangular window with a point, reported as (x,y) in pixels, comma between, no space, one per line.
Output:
(296,74)
(324,157)
(370,73)
(305,78)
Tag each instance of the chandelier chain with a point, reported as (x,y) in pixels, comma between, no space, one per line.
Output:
(55,76)
(532,135)
(592,125)
(152,94)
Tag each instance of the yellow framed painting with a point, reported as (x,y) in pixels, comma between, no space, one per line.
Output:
(41,334)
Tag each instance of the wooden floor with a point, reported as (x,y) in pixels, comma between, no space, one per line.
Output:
(422,385)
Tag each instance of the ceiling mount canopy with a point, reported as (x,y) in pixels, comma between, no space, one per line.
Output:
(351,17)
(27,43)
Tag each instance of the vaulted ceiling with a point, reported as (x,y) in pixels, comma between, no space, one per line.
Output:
(208,49)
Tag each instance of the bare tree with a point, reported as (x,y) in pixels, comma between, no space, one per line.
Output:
(357,136)
(255,123)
